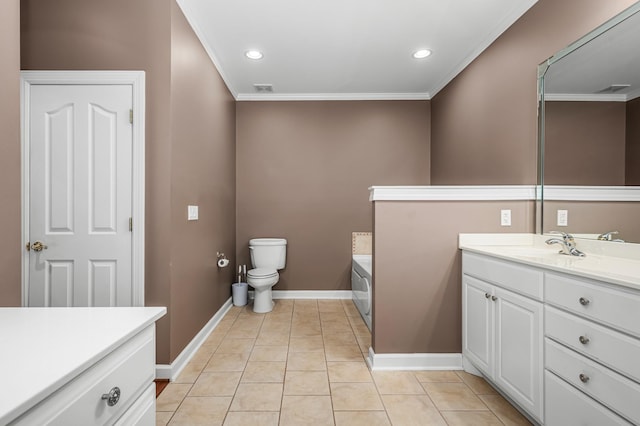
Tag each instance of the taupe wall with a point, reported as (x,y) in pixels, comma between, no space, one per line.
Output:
(632,154)
(417,269)
(588,217)
(10,249)
(484,121)
(203,174)
(584,143)
(303,169)
(141,35)
(483,132)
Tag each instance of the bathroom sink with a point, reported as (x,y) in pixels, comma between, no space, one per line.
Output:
(525,251)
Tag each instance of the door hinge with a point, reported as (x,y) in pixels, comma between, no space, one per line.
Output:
(131,116)
(130,224)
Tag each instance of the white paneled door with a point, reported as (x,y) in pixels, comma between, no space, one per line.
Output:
(80,195)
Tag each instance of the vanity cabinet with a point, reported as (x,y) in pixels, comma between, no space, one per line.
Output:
(562,346)
(79,366)
(592,343)
(502,327)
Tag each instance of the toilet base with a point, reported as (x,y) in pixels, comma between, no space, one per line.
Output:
(262,300)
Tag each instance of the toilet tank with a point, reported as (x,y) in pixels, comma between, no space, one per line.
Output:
(268,252)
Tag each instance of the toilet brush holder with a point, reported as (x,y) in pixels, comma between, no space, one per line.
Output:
(239,292)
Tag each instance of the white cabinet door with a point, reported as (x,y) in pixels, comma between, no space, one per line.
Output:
(519,340)
(477,324)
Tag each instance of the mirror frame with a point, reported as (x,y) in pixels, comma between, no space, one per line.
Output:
(542,70)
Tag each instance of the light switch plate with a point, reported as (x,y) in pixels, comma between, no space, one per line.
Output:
(563,218)
(192,212)
(505,217)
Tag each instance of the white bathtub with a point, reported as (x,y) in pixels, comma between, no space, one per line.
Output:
(361,285)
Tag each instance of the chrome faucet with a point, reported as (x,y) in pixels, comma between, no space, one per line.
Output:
(567,242)
(608,236)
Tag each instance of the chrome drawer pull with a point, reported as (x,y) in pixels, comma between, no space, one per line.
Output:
(584,378)
(487,295)
(112,397)
(584,302)
(583,339)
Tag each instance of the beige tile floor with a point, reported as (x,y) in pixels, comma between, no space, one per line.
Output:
(304,364)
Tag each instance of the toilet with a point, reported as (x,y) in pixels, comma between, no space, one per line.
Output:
(267,256)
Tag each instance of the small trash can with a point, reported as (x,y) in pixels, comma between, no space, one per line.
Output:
(239,293)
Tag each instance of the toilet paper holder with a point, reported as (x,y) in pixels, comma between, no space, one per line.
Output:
(223,262)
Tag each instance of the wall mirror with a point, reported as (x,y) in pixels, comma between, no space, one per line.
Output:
(589,134)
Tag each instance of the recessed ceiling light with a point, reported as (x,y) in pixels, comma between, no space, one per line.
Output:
(421,54)
(253,54)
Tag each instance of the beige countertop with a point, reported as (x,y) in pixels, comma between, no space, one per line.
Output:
(616,263)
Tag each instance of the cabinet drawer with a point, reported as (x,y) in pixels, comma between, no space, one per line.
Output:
(606,346)
(567,406)
(131,367)
(515,277)
(611,389)
(143,411)
(612,306)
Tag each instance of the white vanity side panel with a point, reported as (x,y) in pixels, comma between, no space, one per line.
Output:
(595,300)
(515,277)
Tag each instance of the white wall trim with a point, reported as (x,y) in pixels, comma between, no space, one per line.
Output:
(309,294)
(452,193)
(137,80)
(173,370)
(415,361)
(591,193)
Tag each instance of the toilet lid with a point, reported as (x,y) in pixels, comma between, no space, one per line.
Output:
(262,273)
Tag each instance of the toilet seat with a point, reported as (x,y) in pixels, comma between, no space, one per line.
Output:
(262,273)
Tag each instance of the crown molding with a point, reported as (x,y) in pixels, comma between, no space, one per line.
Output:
(333,97)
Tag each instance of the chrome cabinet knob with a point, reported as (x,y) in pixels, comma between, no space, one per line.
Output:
(112,397)
(583,378)
(583,301)
(583,339)
(494,298)
(487,295)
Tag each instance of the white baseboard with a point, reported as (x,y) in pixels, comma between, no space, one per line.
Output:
(171,371)
(419,361)
(309,294)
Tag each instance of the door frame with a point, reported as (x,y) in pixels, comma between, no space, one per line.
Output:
(136,79)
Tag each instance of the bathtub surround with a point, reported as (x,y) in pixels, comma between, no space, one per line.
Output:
(10,291)
(361,243)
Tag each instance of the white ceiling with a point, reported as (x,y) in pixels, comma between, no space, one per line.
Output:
(346,49)
(608,59)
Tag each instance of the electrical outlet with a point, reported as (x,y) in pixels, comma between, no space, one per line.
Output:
(563,218)
(505,217)
(192,212)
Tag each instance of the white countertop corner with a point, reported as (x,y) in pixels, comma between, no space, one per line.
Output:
(44,348)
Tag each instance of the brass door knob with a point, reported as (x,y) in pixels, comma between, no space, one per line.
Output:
(38,246)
